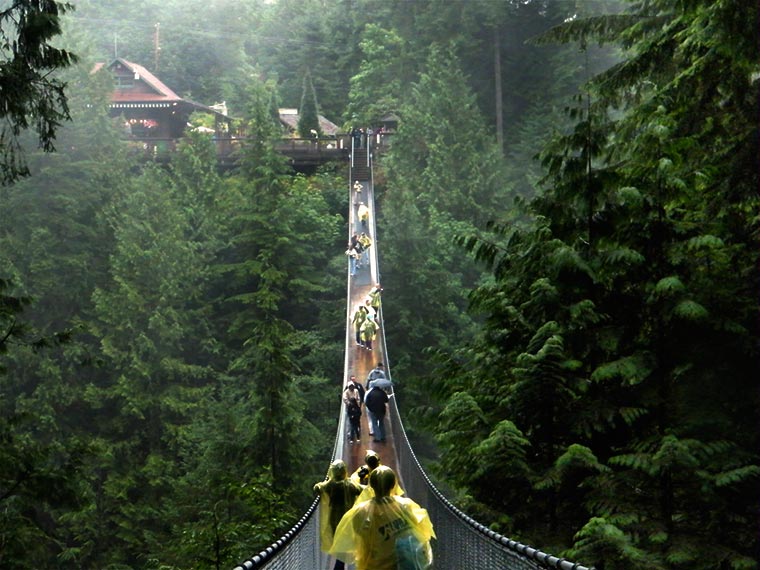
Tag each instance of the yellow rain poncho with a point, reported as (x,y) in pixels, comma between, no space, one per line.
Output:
(386,532)
(337,495)
(361,477)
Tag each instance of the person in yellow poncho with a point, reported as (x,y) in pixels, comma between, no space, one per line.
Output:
(361,477)
(337,495)
(363,214)
(386,532)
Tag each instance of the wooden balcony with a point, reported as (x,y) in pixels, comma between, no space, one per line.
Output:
(302,153)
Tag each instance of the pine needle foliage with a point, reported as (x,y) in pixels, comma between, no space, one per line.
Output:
(619,333)
(308,112)
(30,98)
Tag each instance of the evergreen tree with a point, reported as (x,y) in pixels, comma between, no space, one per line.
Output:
(443,179)
(31,97)
(47,245)
(376,90)
(611,320)
(311,36)
(153,335)
(308,112)
(282,233)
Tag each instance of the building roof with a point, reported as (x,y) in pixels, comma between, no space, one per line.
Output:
(154,92)
(158,91)
(289,118)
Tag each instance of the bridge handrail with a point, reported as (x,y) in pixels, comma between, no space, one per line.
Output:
(332,145)
(279,546)
(493,549)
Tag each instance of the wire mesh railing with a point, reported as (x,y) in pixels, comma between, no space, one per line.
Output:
(298,548)
(462,542)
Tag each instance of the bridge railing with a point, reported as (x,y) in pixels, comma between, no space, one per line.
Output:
(300,546)
(462,542)
(298,149)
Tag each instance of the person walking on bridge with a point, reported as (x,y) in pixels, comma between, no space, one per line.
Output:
(354,393)
(371,462)
(374,296)
(361,476)
(353,257)
(354,242)
(352,381)
(337,496)
(363,214)
(377,372)
(376,401)
(387,532)
(354,411)
(360,315)
(365,242)
(368,331)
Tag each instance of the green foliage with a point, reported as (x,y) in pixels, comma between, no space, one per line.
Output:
(30,97)
(439,187)
(283,234)
(604,541)
(630,370)
(502,456)
(609,311)
(308,111)
(461,423)
(376,90)
(576,458)
(10,307)
(605,378)
(134,400)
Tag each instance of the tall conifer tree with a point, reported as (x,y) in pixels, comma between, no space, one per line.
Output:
(308,113)
(626,274)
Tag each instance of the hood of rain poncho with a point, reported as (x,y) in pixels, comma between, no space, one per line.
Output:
(367,491)
(385,534)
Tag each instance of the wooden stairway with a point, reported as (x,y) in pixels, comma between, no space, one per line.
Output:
(360,170)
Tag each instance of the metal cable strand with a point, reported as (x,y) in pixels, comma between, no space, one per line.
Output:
(298,548)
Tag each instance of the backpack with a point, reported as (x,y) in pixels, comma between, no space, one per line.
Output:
(411,554)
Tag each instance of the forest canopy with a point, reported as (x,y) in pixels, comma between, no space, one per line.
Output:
(569,243)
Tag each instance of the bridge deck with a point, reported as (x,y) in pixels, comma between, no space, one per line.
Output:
(360,361)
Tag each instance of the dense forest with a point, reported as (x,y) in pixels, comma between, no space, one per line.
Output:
(568,229)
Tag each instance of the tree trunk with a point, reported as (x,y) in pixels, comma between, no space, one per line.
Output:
(498,94)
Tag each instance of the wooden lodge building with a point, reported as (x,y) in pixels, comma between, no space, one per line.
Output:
(155,119)
(154,114)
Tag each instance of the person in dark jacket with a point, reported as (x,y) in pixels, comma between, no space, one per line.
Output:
(358,386)
(354,411)
(377,372)
(376,401)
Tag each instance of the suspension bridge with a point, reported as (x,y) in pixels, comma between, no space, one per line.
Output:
(462,543)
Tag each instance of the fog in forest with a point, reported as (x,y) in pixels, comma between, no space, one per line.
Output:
(565,204)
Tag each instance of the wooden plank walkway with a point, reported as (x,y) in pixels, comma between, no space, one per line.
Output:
(360,361)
